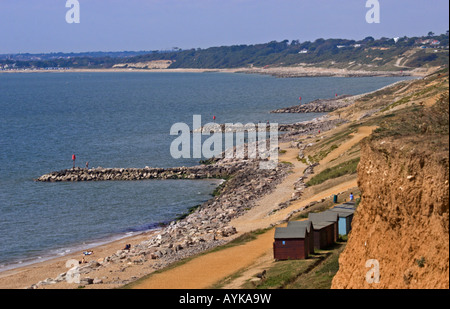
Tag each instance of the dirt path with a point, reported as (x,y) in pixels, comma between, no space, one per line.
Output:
(357,137)
(255,218)
(205,270)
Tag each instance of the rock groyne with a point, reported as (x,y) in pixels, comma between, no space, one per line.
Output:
(103,174)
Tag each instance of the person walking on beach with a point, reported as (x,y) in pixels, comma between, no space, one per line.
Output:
(351,196)
(73,159)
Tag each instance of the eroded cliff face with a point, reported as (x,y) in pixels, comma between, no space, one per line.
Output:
(403,218)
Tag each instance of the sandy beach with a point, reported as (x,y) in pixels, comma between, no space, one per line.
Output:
(22,277)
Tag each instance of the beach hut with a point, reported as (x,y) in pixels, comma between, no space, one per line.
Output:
(348,205)
(323,234)
(291,243)
(345,219)
(345,212)
(309,229)
(328,217)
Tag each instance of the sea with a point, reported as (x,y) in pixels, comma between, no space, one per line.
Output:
(120,119)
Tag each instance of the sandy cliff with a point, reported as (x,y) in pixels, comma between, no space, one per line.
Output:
(403,218)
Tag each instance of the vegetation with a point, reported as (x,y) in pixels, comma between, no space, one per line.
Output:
(345,168)
(382,52)
(322,276)
(321,154)
(418,121)
(421,262)
(316,272)
(190,211)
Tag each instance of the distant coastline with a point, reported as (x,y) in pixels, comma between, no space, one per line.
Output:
(281,72)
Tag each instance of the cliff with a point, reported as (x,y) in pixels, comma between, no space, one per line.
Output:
(403,218)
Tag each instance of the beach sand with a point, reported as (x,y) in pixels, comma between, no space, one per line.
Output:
(23,277)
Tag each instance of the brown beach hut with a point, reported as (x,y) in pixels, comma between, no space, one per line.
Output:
(323,234)
(291,243)
(309,229)
(325,225)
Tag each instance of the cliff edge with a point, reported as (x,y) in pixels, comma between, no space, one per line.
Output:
(402,221)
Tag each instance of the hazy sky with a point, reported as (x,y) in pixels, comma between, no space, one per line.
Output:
(115,25)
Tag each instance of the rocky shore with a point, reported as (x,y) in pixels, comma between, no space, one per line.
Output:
(314,126)
(311,71)
(318,106)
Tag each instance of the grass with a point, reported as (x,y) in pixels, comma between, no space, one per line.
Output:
(417,121)
(322,154)
(321,277)
(345,168)
(402,101)
(287,162)
(283,272)
(316,272)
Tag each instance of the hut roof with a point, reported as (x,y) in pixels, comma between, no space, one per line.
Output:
(290,232)
(326,216)
(321,225)
(305,223)
(343,212)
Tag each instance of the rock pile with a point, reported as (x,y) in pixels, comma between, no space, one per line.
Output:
(103,174)
(321,124)
(319,106)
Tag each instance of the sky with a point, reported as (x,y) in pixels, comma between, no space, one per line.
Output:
(31,26)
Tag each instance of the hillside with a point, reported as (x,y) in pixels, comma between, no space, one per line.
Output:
(369,54)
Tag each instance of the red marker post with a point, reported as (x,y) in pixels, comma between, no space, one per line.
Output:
(73,159)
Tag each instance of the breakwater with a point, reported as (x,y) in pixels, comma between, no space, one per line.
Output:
(104,174)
